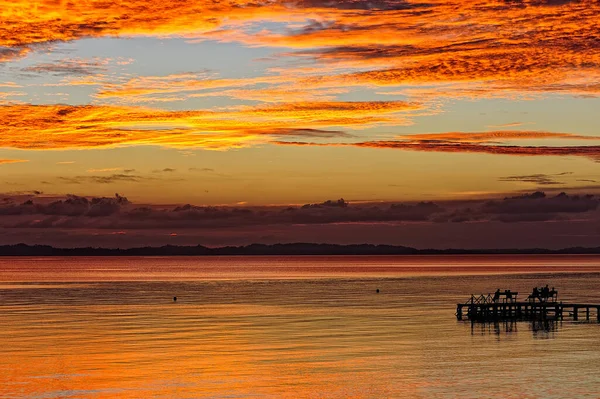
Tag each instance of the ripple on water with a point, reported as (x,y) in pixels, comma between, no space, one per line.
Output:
(323,337)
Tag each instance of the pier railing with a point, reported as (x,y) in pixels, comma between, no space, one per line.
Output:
(498,297)
(496,307)
(481,299)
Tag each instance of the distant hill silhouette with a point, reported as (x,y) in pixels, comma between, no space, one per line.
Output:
(275,249)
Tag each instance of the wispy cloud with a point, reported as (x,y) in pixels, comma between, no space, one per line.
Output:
(207,170)
(104,179)
(543,46)
(482,143)
(29,126)
(70,67)
(541,179)
(102,170)
(503,125)
(495,136)
(9,161)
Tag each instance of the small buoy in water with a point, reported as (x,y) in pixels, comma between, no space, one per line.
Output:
(378,290)
(174,299)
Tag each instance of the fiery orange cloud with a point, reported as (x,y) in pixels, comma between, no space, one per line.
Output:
(279,94)
(540,46)
(62,126)
(41,21)
(283,87)
(529,43)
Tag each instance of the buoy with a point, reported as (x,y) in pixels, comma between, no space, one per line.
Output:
(174,299)
(378,290)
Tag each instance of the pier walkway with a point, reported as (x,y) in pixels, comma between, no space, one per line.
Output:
(503,305)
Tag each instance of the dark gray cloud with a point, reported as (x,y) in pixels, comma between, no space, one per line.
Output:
(544,221)
(539,203)
(12,53)
(328,204)
(118,214)
(68,68)
(338,211)
(108,179)
(201,170)
(81,212)
(541,179)
(72,205)
(535,207)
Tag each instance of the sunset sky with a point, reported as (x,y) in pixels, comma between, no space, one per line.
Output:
(232,122)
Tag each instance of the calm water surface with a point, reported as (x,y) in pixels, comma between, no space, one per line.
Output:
(288,327)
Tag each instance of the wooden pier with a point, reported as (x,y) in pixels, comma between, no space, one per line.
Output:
(504,305)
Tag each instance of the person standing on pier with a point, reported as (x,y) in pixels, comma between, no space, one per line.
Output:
(497,295)
(545,292)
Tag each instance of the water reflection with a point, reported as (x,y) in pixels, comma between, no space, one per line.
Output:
(275,335)
(539,328)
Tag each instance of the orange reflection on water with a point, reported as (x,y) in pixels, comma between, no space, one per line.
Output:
(325,335)
(60,269)
(186,351)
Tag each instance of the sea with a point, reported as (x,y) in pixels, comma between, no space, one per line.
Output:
(290,327)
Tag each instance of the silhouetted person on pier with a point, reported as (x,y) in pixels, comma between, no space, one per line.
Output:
(546,292)
(535,293)
(497,295)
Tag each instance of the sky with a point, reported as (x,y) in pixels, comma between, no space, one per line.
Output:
(433,124)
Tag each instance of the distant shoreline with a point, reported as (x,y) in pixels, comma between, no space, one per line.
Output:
(294,249)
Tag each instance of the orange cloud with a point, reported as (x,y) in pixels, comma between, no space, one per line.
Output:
(63,126)
(7,161)
(504,125)
(452,48)
(491,46)
(495,47)
(587,151)
(482,143)
(282,86)
(41,21)
(493,136)
(6,97)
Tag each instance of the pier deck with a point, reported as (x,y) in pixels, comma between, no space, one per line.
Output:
(526,310)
